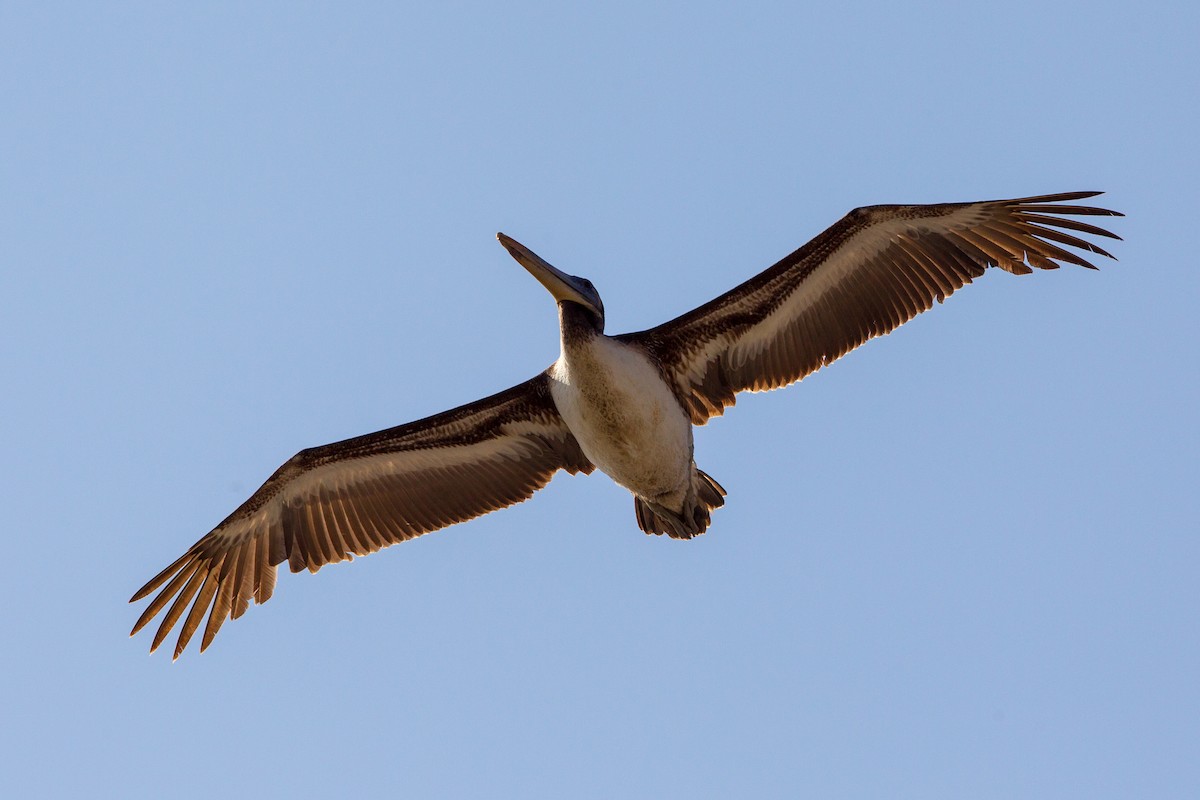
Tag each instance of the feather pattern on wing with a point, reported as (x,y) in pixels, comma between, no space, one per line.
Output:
(871,272)
(330,503)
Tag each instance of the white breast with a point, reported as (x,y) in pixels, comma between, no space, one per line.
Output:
(624,416)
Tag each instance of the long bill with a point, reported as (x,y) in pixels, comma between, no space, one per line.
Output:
(564,287)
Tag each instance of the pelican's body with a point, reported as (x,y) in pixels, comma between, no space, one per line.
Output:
(624,416)
(623,404)
(627,421)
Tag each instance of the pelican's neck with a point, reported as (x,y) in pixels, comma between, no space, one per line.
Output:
(577,326)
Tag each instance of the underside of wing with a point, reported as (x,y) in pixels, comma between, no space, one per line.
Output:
(871,272)
(330,503)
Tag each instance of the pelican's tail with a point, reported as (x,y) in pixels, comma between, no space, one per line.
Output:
(692,520)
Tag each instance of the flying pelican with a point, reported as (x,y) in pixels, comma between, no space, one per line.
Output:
(623,404)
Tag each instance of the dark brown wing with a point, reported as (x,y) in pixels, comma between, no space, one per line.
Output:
(871,272)
(330,503)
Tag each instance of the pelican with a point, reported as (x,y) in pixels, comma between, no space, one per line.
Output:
(622,404)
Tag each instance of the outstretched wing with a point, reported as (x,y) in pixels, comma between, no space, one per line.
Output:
(330,503)
(871,272)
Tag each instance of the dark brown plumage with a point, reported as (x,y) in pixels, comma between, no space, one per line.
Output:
(334,511)
(879,292)
(863,277)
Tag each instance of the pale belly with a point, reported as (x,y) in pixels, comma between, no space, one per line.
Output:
(627,421)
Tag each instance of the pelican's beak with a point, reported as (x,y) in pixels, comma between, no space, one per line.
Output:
(558,283)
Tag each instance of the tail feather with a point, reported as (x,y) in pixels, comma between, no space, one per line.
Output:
(657,519)
(711,493)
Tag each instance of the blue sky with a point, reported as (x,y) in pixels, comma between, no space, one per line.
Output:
(962,562)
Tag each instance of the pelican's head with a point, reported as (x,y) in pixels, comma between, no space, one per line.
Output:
(565,288)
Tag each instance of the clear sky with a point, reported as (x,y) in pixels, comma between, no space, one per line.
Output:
(960,563)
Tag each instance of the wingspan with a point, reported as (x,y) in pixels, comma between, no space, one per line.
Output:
(871,272)
(330,503)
